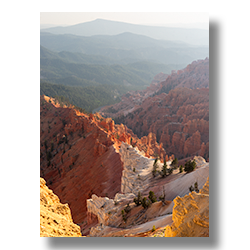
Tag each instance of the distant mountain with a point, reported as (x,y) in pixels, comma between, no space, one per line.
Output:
(55,67)
(91,81)
(126,47)
(106,27)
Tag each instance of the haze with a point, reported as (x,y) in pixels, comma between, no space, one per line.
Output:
(171,19)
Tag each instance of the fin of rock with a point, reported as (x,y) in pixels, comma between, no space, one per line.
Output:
(137,169)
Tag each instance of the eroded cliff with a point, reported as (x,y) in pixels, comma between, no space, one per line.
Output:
(191,215)
(79,156)
(55,217)
(175,110)
(121,216)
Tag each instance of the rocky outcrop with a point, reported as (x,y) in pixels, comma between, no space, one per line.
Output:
(55,217)
(179,121)
(101,207)
(137,176)
(137,170)
(191,215)
(176,111)
(79,156)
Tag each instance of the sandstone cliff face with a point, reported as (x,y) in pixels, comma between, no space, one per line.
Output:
(179,121)
(191,215)
(55,218)
(195,75)
(79,156)
(176,111)
(139,220)
(137,170)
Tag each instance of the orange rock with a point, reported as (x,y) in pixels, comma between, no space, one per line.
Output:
(173,109)
(191,215)
(55,218)
(84,158)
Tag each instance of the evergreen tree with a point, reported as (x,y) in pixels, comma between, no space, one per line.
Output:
(145,202)
(152,197)
(180,168)
(138,199)
(155,167)
(174,163)
(190,166)
(164,170)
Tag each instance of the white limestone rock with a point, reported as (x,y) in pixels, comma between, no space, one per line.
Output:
(137,169)
(100,206)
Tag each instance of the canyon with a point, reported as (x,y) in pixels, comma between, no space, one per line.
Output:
(176,110)
(79,156)
(137,177)
(98,166)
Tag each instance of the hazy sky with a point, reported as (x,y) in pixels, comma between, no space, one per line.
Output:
(188,20)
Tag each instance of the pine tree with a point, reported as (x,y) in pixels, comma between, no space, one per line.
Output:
(174,163)
(155,167)
(190,166)
(164,170)
(138,199)
(152,197)
(180,168)
(145,202)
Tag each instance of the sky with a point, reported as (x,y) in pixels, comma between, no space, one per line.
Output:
(173,19)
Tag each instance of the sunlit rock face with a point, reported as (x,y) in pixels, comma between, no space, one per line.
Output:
(191,215)
(55,217)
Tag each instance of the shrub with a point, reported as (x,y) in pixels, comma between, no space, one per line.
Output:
(174,163)
(191,188)
(155,167)
(170,171)
(145,202)
(164,170)
(196,189)
(152,197)
(138,199)
(124,217)
(180,168)
(190,166)
(127,208)
(153,229)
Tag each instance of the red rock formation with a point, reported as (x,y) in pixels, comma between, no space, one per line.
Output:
(79,155)
(178,116)
(179,120)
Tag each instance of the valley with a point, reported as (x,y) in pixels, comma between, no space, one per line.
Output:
(124,133)
(176,110)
